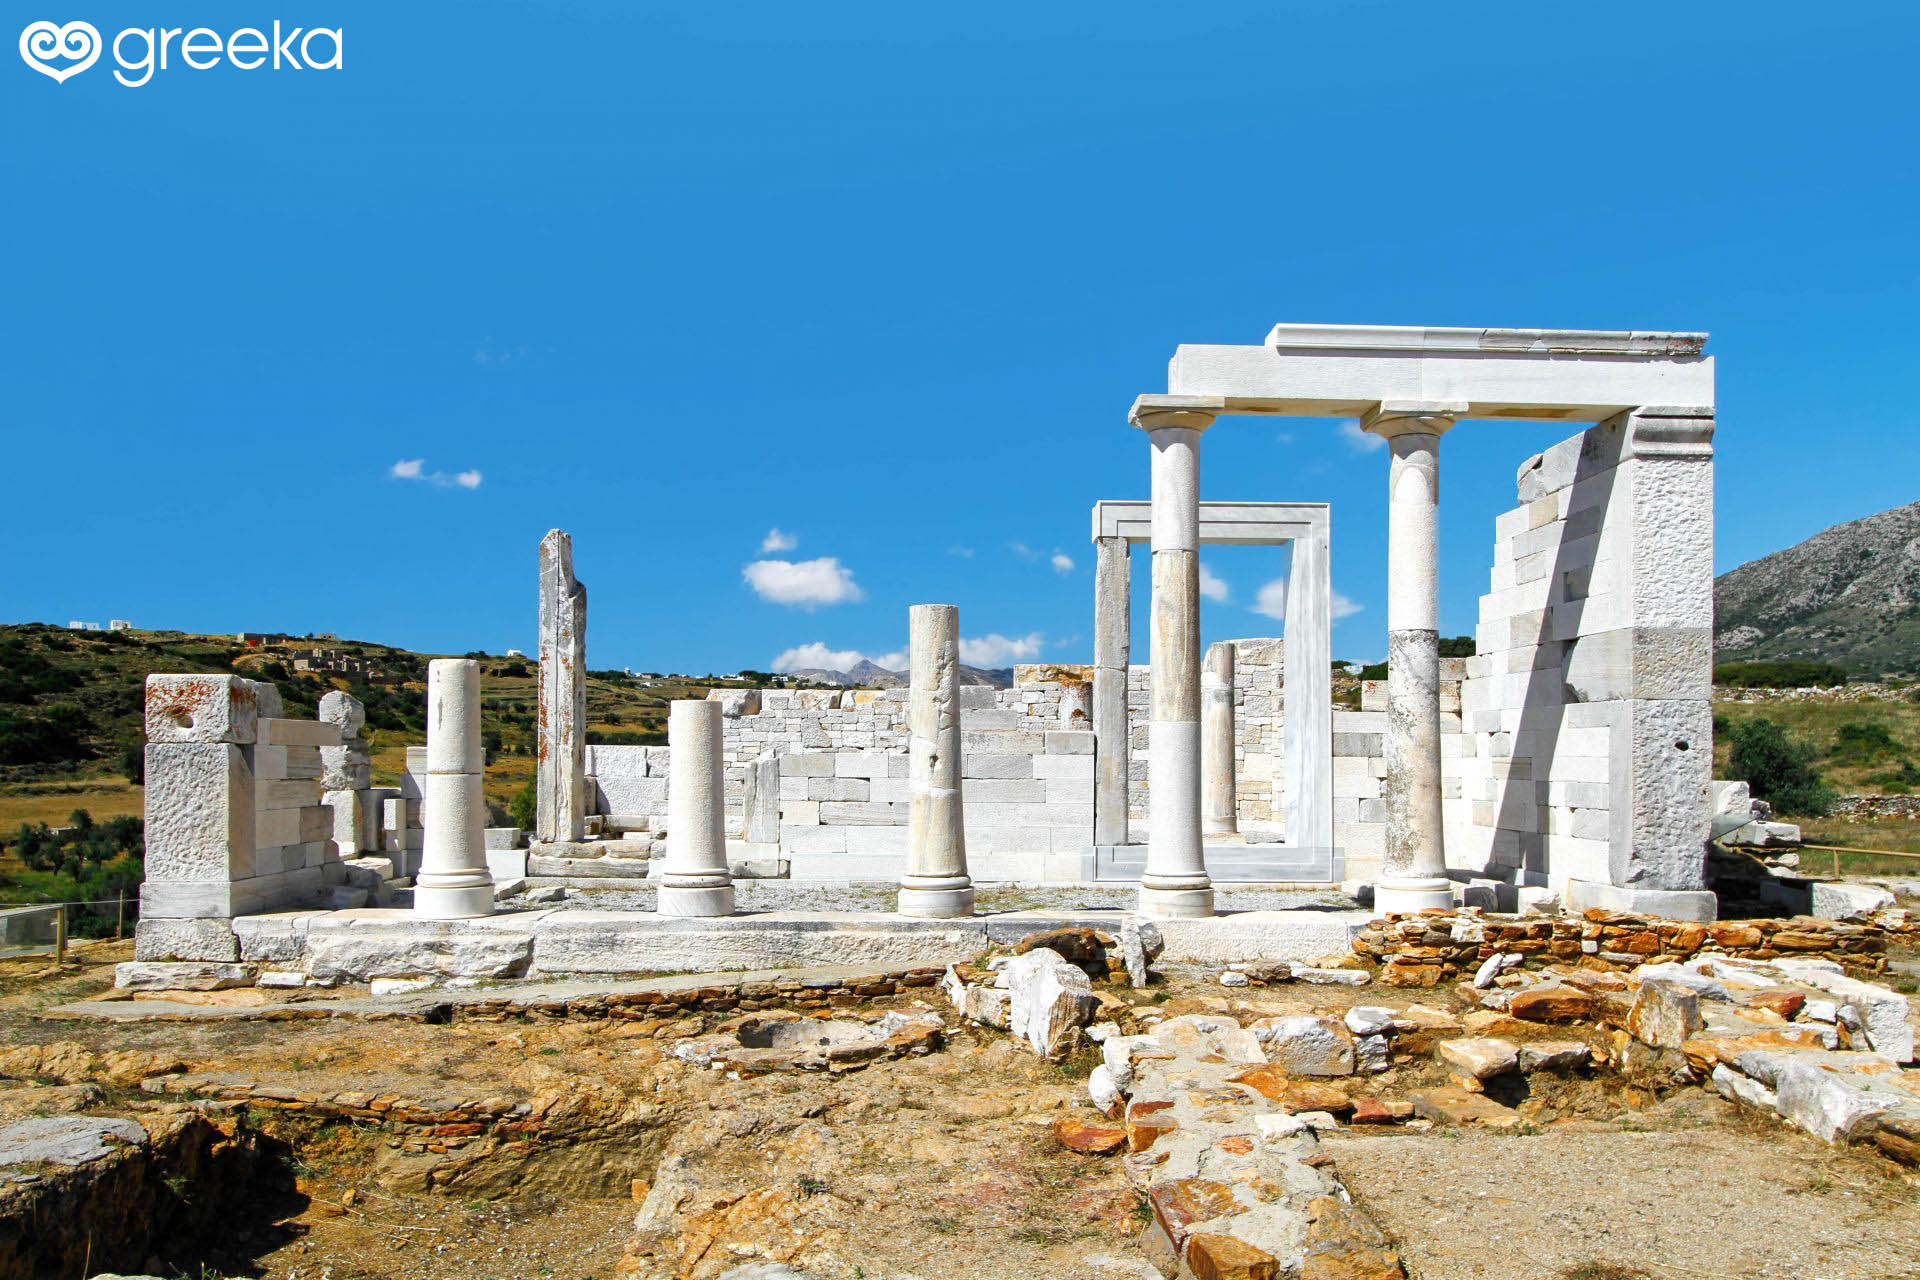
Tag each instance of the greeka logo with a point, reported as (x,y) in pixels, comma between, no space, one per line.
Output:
(62,52)
(79,41)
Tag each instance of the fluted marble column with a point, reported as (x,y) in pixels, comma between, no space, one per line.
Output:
(936,885)
(1112,743)
(1414,868)
(695,880)
(453,882)
(1175,882)
(1219,801)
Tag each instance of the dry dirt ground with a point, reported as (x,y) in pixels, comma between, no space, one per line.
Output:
(929,1167)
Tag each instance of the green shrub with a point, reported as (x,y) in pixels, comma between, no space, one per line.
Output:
(1861,742)
(1791,673)
(1778,767)
(522,805)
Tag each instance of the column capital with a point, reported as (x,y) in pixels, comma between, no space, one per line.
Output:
(1195,413)
(1392,418)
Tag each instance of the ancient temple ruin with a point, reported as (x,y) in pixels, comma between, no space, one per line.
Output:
(1570,758)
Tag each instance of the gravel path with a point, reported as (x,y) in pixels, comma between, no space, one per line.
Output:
(1698,1202)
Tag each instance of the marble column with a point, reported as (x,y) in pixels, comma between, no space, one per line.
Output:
(936,885)
(694,880)
(453,882)
(1112,740)
(1414,868)
(1175,882)
(1307,695)
(1219,803)
(561,780)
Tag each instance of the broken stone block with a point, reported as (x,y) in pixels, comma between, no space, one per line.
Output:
(1048,1001)
(1883,1011)
(1140,945)
(1449,1105)
(1554,1055)
(1306,1045)
(1664,1014)
(1550,1003)
(1369,1019)
(1212,1256)
(141,975)
(1480,1057)
(1086,1138)
(196,708)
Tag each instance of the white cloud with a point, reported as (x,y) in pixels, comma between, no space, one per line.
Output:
(1022,550)
(1062,562)
(778,541)
(1213,588)
(1363,441)
(817,656)
(1271,599)
(996,650)
(807,584)
(415,469)
(965,553)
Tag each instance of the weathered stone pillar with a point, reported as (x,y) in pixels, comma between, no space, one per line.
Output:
(695,880)
(1307,695)
(936,884)
(1641,657)
(453,883)
(1112,626)
(1219,811)
(346,777)
(1414,868)
(1175,882)
(561,786)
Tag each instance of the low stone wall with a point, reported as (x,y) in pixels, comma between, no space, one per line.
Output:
(1432,948)
(1873,808)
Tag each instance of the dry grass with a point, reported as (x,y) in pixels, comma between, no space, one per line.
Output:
(52,802)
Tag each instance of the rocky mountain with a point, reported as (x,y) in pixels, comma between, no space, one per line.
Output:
(870,675)
(1848,595)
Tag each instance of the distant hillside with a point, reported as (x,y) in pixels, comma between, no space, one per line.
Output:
(870,675)
(1849,595)
(71,702)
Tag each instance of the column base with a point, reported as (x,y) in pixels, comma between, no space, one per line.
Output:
(1176,904)
(1698,905)
(1411,894)
(453,902)
(694,900)
(936,904)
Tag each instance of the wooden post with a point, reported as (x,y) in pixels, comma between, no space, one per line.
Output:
(60,938)
(119,915)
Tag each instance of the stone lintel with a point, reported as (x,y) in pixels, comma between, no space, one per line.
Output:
(1538,342)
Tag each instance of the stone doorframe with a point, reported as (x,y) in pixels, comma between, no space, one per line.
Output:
(1307,717)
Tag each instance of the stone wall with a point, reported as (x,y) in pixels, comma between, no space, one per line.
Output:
(843,774)
(1588,745)
(1430,949)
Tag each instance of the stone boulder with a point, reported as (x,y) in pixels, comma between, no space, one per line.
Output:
(1048,1001)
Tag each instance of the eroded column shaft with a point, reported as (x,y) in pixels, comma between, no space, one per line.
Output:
(1219,811)
(936,883)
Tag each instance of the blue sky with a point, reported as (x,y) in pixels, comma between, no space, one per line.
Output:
(885,278)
